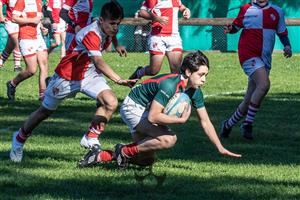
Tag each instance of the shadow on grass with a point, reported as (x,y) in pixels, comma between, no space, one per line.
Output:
(124,186)
(277,135)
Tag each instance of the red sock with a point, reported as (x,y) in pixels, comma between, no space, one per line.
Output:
(105,156)
(97,127)
(130,150)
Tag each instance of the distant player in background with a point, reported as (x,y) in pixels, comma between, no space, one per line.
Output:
(82,71)
(12,29)
(260,21)
(77,14)
(58,26)
(164,37)
(142,111)
(28,14)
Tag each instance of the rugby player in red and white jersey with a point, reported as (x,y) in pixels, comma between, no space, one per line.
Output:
(164,37)
(58,26)
(260,21)
(12,44)
(28,13)
(77,14)
(81,71)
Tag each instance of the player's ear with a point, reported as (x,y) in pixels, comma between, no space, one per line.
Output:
(101,20)
(188,72)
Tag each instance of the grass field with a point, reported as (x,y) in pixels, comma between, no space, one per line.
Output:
(269,168)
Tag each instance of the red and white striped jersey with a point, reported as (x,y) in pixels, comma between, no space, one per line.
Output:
(167,8)
(90,41)
(259,28)
(10,4)
(80,12)
(28,9)
(55,6)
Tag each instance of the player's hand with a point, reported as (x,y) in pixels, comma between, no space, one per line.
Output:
(186,13)
(225,152)
(55,26)
(287,52)
(128,83)
(185,115)
(227,28)
(121,50)
(162,20)
(77,28)
(2,19)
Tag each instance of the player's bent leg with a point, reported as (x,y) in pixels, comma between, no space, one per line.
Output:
(94,85)
(156,61)
(262,81)
(108,102)
(31,68)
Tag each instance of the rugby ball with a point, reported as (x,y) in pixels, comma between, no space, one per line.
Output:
(177,104)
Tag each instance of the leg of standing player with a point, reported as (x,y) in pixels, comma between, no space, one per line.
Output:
(175,59)
(42,57)
(63,45)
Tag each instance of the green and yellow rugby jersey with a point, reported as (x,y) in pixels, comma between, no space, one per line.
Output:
(161,88)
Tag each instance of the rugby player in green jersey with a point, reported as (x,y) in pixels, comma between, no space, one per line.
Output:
(142,111)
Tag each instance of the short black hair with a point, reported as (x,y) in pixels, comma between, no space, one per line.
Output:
(193,61)
(112,10)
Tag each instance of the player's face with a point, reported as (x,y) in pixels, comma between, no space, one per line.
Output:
(262,2)
(198,78)
(109,26)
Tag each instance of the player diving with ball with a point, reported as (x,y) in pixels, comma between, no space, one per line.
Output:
(143,112)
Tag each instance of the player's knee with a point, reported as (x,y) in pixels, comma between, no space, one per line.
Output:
(44,112)
(264,87)
(111,104)
(153,72)
(30,72)
(168,141)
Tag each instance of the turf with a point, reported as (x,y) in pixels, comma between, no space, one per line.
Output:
(193,169)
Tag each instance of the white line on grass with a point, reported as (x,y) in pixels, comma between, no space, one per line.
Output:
(225,93)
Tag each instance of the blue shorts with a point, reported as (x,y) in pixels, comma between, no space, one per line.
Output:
(252,64)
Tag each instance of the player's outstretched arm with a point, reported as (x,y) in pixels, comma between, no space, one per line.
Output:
(211,133)
(101,65)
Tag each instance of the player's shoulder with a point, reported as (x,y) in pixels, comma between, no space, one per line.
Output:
(168,81)
(276,7)
(246,6)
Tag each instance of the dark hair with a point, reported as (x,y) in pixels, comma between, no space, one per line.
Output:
(193,61)
(112,10)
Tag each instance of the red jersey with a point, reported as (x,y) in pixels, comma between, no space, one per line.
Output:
(90,41)
(260,25)
(80,12)
(10,4)
(28,9)
(166,8)
(55,6)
